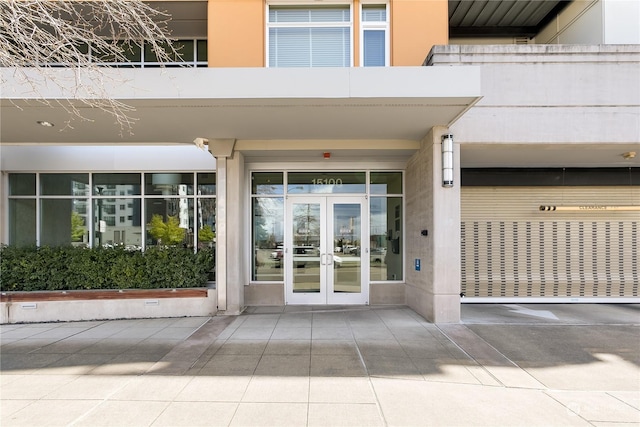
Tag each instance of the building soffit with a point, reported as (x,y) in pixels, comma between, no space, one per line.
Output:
(176,106)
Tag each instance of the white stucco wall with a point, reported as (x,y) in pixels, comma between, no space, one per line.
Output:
(579,23)
(550,94)
(594,22)
(621,20)
(110,158)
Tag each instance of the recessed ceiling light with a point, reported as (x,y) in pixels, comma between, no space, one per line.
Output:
(45,123)
(629,155)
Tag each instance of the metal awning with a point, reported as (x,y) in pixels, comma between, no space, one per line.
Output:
(501,18)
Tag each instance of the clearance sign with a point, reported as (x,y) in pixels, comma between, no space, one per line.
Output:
(591,208)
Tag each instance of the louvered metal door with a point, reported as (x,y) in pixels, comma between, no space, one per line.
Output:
(512,249)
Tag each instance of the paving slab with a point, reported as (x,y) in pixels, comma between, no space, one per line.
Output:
(504,364)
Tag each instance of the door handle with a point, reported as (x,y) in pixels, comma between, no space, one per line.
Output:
(322,261)
(329,259)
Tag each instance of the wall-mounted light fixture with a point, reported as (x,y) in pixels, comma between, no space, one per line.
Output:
(447,160)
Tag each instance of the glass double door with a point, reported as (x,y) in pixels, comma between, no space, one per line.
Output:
(326,241)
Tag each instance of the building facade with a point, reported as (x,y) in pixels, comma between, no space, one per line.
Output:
(360,152)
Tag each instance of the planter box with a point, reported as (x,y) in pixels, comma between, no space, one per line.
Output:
(66,306)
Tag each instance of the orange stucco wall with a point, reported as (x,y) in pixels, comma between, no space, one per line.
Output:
(236,33)
(416,26)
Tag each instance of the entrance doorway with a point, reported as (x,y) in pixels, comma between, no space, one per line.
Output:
(326,241)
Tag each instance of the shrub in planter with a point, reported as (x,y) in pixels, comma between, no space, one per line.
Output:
(71,268)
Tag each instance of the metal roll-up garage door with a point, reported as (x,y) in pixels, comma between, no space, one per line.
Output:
(512,249)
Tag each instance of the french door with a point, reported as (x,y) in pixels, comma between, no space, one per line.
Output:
(326,241)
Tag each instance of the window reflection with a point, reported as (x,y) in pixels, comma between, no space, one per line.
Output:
(386,183)
(168,184)
(62,222)
(169,221)
(206,222)
(267,183)
(105,209)
(22,222)
(386,257)
(206,184)
(114,226)
(267,237)
(64,184)
(22,184)
(116,184)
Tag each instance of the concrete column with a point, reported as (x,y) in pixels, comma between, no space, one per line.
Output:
(236,225)
(222,150)
(433,290)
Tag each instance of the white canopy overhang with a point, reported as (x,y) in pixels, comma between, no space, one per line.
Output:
(175,106)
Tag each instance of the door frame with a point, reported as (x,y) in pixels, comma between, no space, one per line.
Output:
(327,270)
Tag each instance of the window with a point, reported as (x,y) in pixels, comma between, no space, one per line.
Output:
(267,225)
(385,189)
(386,233)
(309,36)
(191,53)
(375,30)
(57,209)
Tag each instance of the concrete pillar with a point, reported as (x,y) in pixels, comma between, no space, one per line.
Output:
(222,150)
(237,228)
(433,291)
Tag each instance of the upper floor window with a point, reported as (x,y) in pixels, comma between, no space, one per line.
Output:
(309,36)
(374,40)
(192,53)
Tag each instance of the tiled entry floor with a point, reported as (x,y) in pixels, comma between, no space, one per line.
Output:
(323,366)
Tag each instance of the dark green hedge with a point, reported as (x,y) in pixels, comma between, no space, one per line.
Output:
(69,268)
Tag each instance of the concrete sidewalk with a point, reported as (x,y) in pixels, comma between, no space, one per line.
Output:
(505,365)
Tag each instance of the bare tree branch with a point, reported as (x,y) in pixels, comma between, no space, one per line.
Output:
(85,36)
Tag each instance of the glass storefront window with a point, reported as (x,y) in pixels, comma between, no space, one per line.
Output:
(326,182)
(64,184)
(22,184)
(386,257)
(168,184)
(22,222)
(386,228)
(169,221)
(62,222)
(69,210)
(206,222)
(386,183)
(206,184)
(117,227)
(267,183)
(121,183)
(267,235)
